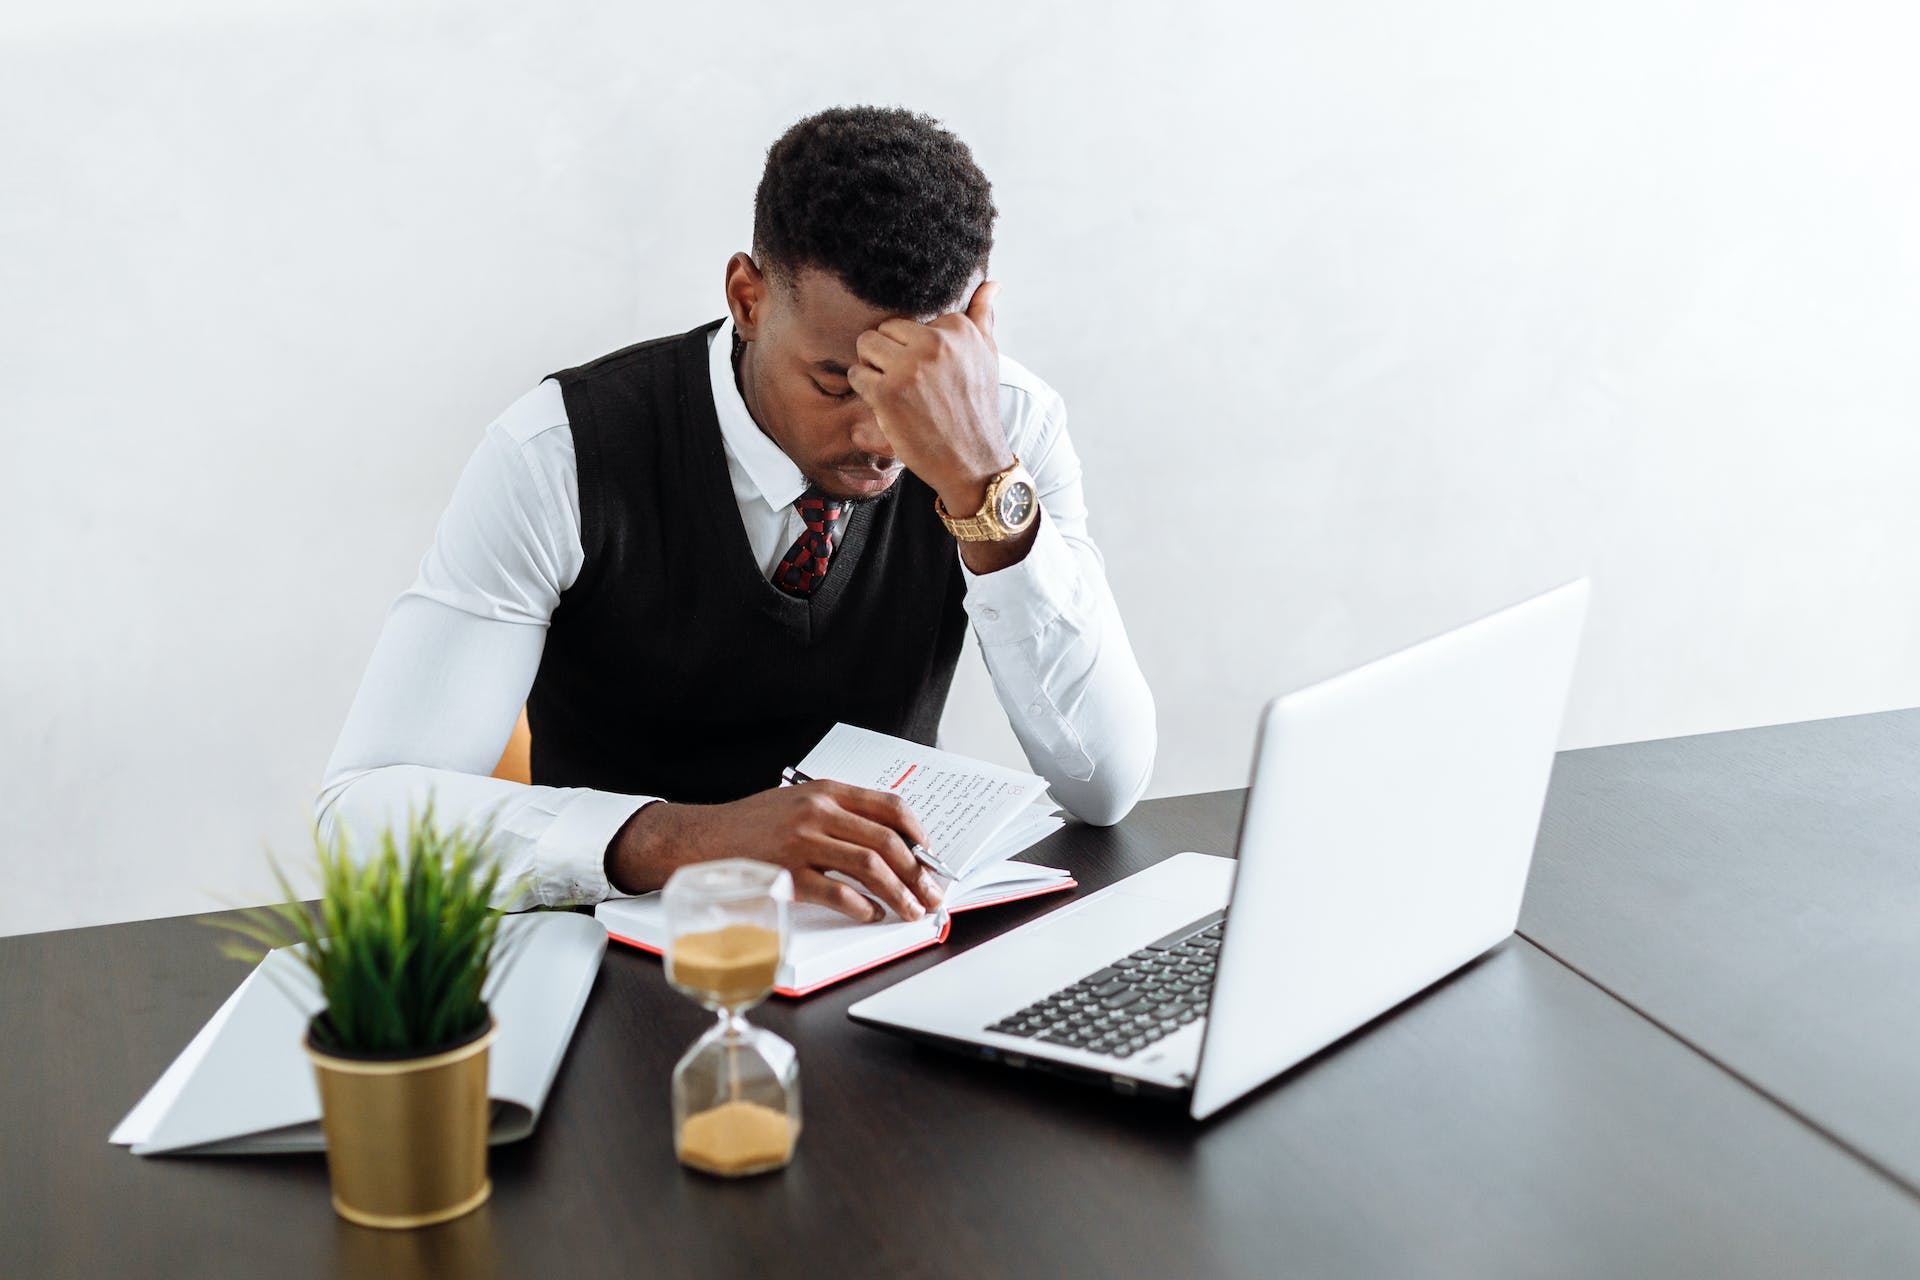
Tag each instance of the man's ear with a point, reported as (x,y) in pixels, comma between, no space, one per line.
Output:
(746,288)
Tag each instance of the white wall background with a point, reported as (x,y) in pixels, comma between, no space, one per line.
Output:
(1390,312)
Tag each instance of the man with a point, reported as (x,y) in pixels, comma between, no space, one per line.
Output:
(689,558)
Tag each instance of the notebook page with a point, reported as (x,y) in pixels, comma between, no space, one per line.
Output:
(1000,879)
(960,801)
(1023,833)
(821,942)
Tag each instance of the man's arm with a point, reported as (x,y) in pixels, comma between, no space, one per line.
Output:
(956,413)
(1052,636)
(453,665)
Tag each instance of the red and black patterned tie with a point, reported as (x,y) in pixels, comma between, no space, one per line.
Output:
(804,566)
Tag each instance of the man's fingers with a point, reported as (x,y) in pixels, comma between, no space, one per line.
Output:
(878,824)
(815,886)
(874,872)
(897,818)
(883,807)
(878,348)
(863,380)
(887,841)
(980,309)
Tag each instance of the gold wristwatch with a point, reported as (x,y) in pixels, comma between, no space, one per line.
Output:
(1010,506)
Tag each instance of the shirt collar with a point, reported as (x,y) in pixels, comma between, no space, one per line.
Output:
(768,467)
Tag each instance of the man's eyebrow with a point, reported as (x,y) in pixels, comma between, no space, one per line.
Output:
(830,366)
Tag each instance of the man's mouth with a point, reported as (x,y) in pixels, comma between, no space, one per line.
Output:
(863,471)
(866,480)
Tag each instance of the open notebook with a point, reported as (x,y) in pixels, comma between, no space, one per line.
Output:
(977,816)
(244,1085)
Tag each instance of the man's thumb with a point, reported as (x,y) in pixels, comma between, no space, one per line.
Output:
(980,310)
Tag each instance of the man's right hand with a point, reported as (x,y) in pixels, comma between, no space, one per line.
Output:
(809,829)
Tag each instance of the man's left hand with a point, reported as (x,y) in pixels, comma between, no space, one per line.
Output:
(935,392)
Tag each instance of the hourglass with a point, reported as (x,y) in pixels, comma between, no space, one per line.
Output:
(736,1092)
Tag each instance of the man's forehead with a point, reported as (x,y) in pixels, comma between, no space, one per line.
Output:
(828,318)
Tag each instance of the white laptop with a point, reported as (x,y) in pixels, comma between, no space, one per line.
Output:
(1385,843)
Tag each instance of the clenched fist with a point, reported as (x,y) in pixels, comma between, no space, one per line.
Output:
(935,393)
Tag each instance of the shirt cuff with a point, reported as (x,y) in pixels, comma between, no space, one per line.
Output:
(1021,600)
(572,852)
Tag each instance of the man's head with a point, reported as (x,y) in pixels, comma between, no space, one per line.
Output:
(862,213)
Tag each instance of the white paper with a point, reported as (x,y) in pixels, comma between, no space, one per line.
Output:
(243,1085)
(960,801)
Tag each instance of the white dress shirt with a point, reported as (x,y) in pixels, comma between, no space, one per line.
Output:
(460,647)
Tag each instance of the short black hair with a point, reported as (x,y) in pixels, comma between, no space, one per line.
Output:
(883,198)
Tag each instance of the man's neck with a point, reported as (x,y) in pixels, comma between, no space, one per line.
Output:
(742,353)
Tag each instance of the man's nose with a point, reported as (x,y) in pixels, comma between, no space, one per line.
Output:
(867,437)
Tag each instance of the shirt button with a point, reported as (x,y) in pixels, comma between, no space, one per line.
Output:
(1033,708)
(991,615)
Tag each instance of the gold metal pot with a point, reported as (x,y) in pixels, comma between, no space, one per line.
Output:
(406,1137)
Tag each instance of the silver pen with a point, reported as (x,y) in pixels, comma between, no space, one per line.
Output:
(790,775)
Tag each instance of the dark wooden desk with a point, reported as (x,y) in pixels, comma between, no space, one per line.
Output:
(1515,1120)
(1756,892)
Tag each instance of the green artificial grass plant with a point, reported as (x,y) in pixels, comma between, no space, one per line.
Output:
(400,944)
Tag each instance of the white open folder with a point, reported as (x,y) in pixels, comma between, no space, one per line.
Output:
(245,1086)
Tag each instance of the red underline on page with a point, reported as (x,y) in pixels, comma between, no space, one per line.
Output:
(903,777)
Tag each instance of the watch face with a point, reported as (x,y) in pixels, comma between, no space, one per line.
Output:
(1016,504)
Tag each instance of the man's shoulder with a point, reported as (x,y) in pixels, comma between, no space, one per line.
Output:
(1027,386)
(644,353)
(1030,409)
(538,418)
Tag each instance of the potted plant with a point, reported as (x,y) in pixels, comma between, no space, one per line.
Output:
(400,946)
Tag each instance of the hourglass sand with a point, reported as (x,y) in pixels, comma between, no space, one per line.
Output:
(736,1093)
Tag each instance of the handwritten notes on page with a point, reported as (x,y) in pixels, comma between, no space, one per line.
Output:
(962,802)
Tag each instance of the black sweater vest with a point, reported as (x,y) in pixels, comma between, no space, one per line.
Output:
(672,667)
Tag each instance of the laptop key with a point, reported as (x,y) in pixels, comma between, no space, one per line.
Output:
(1133,1002)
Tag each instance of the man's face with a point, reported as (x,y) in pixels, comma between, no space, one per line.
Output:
(794,375)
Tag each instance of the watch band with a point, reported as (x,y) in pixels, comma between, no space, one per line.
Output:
(985,524)
(973,528)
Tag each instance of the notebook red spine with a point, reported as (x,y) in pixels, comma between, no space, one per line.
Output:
(936,940)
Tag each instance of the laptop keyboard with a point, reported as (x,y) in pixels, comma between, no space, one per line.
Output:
(1133,1002)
